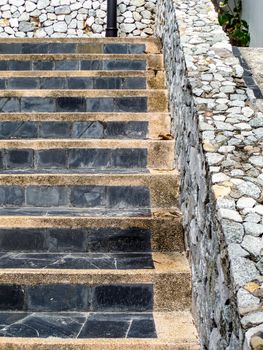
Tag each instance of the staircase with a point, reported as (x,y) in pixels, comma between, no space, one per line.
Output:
(92,250)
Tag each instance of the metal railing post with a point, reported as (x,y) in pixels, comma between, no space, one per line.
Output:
(111,30)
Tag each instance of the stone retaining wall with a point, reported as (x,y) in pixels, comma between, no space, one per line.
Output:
(219,134)
(73,18)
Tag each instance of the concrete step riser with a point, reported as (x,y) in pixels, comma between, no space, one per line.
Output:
(165,229)
(100,197)
(69,125)
(93,79)
(81,62)
(73,104)
(85,154)
(159,291)
(161,188)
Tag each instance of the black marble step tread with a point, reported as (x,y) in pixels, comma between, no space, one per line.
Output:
(21,83)
(72,64)
(71,47)
(73,158)
(76,196)
(77,325)
(75,129)
(77,297)
(18,104)
(78,212)
(127,261)
(80,240)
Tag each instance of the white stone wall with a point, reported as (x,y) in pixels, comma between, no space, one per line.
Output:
(218,127)
(73,18)
(252,13)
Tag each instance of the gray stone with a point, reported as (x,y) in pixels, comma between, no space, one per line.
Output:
(60,27)
(244,270)
(253,245)
(26,27)
(247,302)
(253,229)
(235,250)
(252,320)
(214,158)
(62,10)
(233,231)
(257,161)
(249,189)
(230,214)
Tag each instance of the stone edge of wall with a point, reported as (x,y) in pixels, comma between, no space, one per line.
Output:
(219,133)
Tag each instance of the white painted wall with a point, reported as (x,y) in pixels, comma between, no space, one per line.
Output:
(253,14)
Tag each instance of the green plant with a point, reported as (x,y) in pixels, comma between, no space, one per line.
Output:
(231,20)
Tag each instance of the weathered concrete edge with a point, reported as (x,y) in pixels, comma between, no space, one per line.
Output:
(219,133)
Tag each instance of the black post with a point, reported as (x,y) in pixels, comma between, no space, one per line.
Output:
(111,30)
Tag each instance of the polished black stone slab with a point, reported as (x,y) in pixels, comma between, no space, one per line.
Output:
(76,297)
(63,48)
(77,325)
(77,261)
(73,104)
(85,196)
(74,158)
(117,64)
(78,171)
(73,83)
(78,240)
(78,212)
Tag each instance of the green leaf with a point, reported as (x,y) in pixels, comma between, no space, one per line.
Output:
(231,20)
(224,19)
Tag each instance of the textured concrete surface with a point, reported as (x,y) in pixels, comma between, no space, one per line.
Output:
(254,58)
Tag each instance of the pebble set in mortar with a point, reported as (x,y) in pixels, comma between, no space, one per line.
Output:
(218,126)
(73,18)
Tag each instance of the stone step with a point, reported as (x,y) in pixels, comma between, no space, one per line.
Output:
(107,244)
(83,101)
(165,287)
(83,62)
(81,197)
(91,331)
(84,125)
(77,45)
(158,231)
(86,154)
(156,189)
(82,79)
